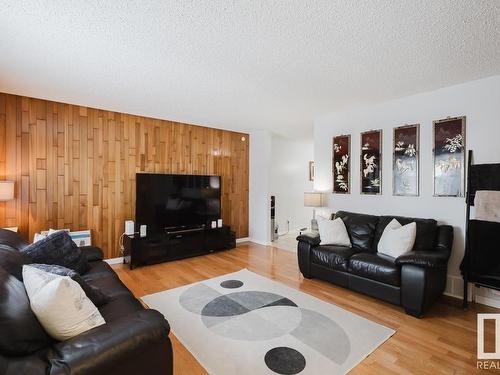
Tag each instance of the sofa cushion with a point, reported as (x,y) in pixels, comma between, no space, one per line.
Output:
(375,267)
(426,231)
(94,294)
(98,269)
(92,253)
(102,277)
(361,229)
(21,332)
(109,285)
(120,307)
(58,248)
(331,256)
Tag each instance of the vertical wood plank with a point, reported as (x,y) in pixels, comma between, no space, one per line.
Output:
(75,166)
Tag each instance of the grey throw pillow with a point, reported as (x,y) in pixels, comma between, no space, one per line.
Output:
(94,294)
(57,248)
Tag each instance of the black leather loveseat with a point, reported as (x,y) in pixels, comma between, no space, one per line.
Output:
(414,280)
(134,340)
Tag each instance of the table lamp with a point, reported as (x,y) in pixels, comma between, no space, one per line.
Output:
(313,199)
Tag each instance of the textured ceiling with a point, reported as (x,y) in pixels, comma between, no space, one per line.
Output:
(243,65)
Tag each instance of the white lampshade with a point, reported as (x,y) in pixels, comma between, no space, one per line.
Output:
(313,199)
(6,190)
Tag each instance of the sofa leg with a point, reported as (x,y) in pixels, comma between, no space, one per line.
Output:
(414,313)
(306,276)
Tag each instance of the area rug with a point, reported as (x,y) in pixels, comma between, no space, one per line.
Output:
(244,323)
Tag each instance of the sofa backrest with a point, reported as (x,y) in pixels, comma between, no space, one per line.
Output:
(426,231)
(9,239)
(365,230)
(361,229)
(11,259)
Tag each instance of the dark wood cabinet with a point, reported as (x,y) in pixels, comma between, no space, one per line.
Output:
(172,245)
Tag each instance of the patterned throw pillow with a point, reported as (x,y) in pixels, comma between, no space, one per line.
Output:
(59,249)
(94,294)
(60,304)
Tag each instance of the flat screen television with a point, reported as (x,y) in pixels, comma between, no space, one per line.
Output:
(167,201)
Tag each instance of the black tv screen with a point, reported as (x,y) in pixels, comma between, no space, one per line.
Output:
(175,201)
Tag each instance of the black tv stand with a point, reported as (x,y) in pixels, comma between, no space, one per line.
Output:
(176,243)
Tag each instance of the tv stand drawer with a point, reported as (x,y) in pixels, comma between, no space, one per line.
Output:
(185,244)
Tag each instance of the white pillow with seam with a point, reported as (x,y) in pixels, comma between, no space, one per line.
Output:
(333,232)
(60,304)
(397,239)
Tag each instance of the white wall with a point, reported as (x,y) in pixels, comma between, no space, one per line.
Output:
(259,186)
(289,180)
(479,101)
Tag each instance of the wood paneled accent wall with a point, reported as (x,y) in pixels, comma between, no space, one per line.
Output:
(75,167)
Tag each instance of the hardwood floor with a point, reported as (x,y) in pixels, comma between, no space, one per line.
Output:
(442,342)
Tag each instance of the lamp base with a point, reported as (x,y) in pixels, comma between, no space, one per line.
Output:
(314,225)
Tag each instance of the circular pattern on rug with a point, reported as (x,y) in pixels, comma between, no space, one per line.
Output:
(231,284)
(257,316)
(285,361)
(251,315)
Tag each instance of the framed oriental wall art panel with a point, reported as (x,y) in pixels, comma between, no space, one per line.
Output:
(311,171)
(449,157)
(405,161)
(371,162)
(341,162)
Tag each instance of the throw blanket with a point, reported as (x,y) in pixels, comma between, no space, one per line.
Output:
(487,204)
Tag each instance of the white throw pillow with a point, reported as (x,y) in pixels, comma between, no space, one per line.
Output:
(397,239)
(60,304)
(333,232)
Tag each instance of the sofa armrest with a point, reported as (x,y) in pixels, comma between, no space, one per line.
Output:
(311,239)
(305,243)
(113,347)
(428,259)
(31,364)
(92,253)
(421,287)
(444,238)
(437,258)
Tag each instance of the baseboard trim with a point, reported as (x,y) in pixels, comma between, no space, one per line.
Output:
(118,260)
(259,242)
(243,239)
(492,302)
(454,289)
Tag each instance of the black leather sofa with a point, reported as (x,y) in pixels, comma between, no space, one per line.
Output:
(414,280)
(134,340)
